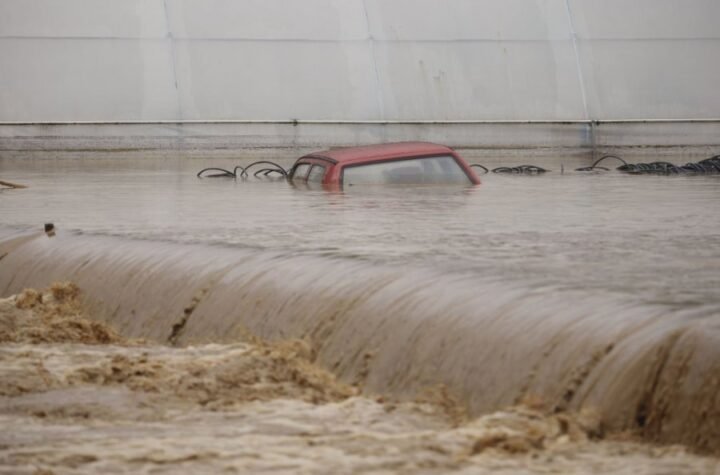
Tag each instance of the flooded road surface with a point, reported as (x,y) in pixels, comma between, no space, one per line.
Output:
(294,329)
(75,398)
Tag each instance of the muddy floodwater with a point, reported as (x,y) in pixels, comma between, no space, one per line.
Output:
(565,323)
(652,238)
(75,397)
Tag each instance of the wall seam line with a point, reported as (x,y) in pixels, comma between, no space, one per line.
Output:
(378,90)
(173,57)
(581,79)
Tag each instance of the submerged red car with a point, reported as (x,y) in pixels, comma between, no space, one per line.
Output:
(407,163)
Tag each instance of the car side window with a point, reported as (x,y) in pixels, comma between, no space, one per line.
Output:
(317,172)
(301,171)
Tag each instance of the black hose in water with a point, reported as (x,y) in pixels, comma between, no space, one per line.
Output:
(277,168)
(268,171)
(595,166)
(521,170)
(708,166)
(223,173)
(517,170)
(243,171)
(477,165)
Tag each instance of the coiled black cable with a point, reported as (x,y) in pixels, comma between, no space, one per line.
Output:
(277,168)
(595,166)
(521,170)
(268,171)
(223,173)
(709,166)
(477,165)
(517,170)
(244,171)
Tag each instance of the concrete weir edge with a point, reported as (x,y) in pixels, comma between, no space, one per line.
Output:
(643,369)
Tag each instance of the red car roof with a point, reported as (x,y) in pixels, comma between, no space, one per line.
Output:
(381,152)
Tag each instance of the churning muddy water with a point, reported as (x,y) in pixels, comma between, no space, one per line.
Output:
(548,317)
(75,397)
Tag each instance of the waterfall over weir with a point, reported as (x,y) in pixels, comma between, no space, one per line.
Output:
(399,330)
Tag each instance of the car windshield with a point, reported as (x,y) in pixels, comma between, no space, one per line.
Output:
(440,170)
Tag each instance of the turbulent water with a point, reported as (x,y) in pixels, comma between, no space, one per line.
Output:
(75,397)
(593,294)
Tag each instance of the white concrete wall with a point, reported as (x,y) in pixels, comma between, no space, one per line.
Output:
(649,58)
(116,60)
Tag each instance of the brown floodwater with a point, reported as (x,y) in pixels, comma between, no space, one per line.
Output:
(591,293)
(653,238)
(76,398)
